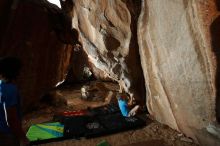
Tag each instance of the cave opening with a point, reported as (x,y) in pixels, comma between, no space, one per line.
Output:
(215,33)
(55,2)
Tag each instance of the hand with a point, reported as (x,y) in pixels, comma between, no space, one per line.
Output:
(133,111)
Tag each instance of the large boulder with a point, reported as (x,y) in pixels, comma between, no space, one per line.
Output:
(172,40)
(178,65)
(28,34)
(108,31)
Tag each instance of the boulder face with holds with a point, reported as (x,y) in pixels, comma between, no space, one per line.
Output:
(166,44)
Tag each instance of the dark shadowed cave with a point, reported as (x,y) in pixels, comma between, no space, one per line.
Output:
(215,32)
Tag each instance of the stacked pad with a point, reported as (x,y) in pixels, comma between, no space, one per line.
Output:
(77,127)
(95,122)
(93,126)
(117,122)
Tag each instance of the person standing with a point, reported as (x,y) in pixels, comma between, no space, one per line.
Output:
(11,132)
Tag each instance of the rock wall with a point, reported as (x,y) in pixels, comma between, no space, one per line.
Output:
(108,30)
(27,34)
(175,50)
(177,62)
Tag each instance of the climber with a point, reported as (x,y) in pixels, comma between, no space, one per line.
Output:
(11,133)
(126,102)
(124,107)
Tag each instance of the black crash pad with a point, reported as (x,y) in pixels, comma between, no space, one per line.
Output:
(98,122)
(93,126)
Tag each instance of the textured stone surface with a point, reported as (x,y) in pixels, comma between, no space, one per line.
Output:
(176,55)
(177,63)
(108,30)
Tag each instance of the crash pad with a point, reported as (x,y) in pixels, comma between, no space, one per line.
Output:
(92,123)
(45,131)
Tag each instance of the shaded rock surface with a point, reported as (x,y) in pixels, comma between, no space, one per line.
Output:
(175,53)
(108,31)
(27,34)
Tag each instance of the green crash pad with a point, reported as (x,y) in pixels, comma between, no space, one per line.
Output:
(45,131)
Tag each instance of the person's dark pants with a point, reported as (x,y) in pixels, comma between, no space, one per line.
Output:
(8,140)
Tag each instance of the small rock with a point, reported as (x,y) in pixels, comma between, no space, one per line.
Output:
(180,134)
(185,139)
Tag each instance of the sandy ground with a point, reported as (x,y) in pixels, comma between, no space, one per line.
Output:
(153,134)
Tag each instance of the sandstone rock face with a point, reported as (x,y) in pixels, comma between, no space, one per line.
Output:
(175,53)
(110,40)
(177,64)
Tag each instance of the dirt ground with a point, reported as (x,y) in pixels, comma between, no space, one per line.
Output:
(153,134)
